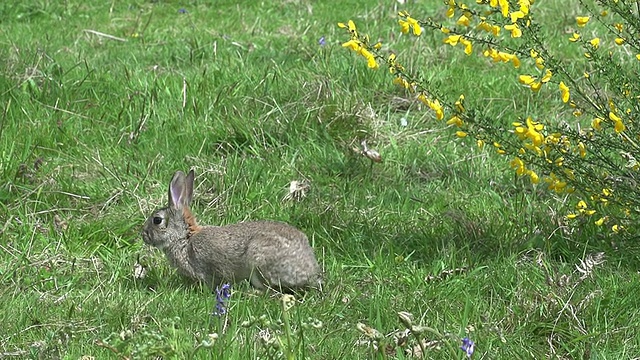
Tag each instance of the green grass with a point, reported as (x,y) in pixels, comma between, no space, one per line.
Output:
(93,128)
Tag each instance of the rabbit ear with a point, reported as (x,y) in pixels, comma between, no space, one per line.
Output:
(181,190)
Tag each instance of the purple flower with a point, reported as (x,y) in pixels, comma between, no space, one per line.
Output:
(468,346)
(322,41)
(182,11)
(222,296)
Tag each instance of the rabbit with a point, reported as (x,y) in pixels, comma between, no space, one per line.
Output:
(267,253)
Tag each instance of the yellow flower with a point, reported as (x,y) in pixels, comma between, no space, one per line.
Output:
(459,105)
(435,106)
(455,121)
(600,221)
(468,46)
(575,37)
(535,87)
(461,134)
(524,5)
(494,29)
(409,22)
(352,44)
(526,79)
(534,177)
(504,7)
(582,20)
(452,40)
(583,149)
(452,8)
(540,63)
(533,133)
(371,60)
(480,143)
(572,216)
(518,164)
(463,20)
(619,41)
(597,123)
(516,15)
(595,42)
(617,228)
(546,77)
(618,125)
(515,30)
(359,48)
(564,90)
(582,205)
(402,82)
(351,26)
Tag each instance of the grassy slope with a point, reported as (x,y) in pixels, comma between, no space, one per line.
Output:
(95,127)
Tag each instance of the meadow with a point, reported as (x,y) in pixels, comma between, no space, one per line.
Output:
(101,102)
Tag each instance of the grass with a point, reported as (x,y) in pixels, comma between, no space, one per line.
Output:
(93,128)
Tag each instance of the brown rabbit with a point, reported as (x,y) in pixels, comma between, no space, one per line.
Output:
(267,253)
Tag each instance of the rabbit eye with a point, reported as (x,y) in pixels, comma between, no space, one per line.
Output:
(157,220)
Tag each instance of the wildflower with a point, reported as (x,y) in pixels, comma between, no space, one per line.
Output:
(351,26)
(515,30)
(435,106)
(518,164)
(582,148)
(618,125)
(452,8)
(575,37)
(407,22)
(524,6)
(452,40)
(322,41)
(182,11)
(504,7)
(595,42)
(546,77)
(468,46)
(399,80)
(516,15)
(596,123)
(582,20)
(455,121)
(461,134)
(358,47)
(564,90)
(459,105)
(526,79)
(463,20)
(468,346)
(222,296)
(619,41)
(494,29)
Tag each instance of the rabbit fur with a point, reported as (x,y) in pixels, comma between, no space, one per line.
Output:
(267,253)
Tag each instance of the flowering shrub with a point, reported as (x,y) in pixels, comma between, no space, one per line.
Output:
(591,154)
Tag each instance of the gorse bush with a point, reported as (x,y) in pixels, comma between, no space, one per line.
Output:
(588,153)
